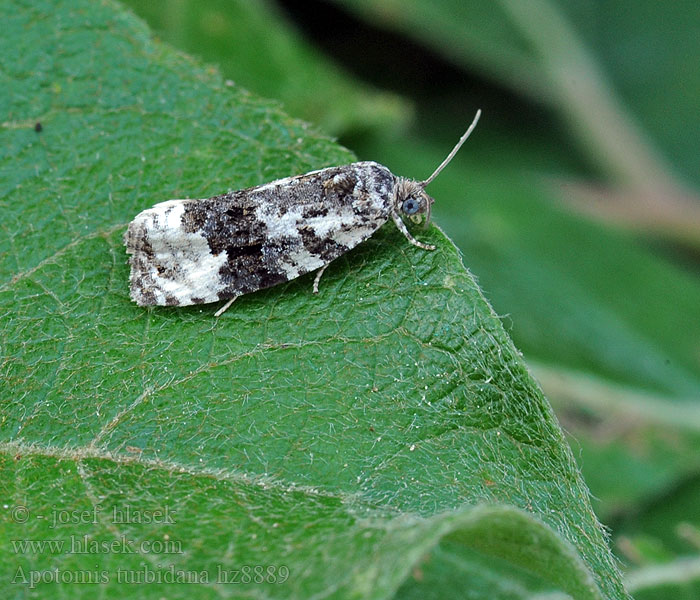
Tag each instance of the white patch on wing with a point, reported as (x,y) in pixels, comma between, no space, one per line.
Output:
(298,261)
(352,237)
(279,225)
(182,266)
(327,226)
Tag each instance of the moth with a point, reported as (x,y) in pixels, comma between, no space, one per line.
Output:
(185,252)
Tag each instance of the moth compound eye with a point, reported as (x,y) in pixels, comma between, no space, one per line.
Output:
(410,206)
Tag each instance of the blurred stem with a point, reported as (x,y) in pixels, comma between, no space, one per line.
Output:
(588,102)
(682,573)
(606,398)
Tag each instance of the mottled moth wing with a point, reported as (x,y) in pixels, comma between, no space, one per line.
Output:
(194,251)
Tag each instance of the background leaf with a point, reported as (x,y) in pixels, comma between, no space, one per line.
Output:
(332,440)
(268,56)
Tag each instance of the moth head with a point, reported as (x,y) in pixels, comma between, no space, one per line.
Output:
(411,200)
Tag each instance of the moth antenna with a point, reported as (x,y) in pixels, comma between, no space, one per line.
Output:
(451,155)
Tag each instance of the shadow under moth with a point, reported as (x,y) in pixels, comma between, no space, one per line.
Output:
(187,252)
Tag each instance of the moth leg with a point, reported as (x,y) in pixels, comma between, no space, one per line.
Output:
(225,307)
(318,277)
(402,228)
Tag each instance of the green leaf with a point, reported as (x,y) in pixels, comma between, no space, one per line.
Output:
(333,441)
